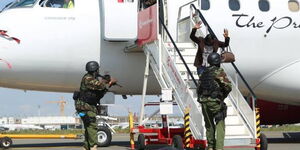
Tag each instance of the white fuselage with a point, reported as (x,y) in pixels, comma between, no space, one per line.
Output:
(56,43)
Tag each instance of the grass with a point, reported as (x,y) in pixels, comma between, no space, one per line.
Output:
(119,130)
(282,128)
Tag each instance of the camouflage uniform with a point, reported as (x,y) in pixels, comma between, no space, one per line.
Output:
(87,105)
(213,106)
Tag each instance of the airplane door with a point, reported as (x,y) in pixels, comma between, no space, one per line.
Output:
(118,15)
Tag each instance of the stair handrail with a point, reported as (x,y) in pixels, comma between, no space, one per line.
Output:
(177,50)
(232,63)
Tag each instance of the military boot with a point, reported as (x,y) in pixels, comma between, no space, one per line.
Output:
(94,147)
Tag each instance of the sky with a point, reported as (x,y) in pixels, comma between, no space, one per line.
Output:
(20,103)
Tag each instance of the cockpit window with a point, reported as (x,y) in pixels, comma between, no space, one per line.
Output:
(205,4)
(234,5)
(57,3)
(264,5)
(6,6)
(23,3)
(293,5)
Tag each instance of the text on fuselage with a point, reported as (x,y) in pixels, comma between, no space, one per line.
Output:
(244,20)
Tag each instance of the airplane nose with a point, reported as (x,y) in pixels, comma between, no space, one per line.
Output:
(283,83)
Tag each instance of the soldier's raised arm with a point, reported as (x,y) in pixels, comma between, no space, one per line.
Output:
(95,84)
(90,80)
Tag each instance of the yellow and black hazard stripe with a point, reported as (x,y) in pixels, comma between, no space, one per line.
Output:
(187,129)
(257,127)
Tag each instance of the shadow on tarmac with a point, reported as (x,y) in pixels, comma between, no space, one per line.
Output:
(66,144)
(79,144)
(47,145)
(288,137)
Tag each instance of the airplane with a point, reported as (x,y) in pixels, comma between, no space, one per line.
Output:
(45,47)
(12,127)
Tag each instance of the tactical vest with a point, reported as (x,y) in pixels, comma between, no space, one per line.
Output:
(208,86)
(90,96)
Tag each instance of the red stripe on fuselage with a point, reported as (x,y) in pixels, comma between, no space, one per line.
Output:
(276,113)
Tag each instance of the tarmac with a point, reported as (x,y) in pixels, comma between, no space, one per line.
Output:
(277,141)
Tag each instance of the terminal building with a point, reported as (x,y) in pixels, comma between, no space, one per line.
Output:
(53,122)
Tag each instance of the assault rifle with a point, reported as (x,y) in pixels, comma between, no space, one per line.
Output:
(107,77)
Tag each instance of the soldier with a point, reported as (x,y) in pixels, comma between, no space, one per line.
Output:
(91,91)
(213,88)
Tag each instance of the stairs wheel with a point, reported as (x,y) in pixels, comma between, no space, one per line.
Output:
(141,143)
(6,142)
(177,142)
(199,148)
(263,142)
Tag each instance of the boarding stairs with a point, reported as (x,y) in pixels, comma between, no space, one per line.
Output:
(178,73)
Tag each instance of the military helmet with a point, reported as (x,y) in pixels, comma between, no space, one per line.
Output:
(214,59)
(92,66)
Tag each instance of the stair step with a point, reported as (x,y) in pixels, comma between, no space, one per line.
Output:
(188,59)
(231,111)
(239,141)
(234,130)
(181,45)
(236,136)
(233,119)
(184,52)
(191,84)
(181,67)
(186,76)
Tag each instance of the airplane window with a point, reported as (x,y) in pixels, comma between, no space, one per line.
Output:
(42,2)
(23,3)
(264,5)
(293,5)
(205,4)
(234,5)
